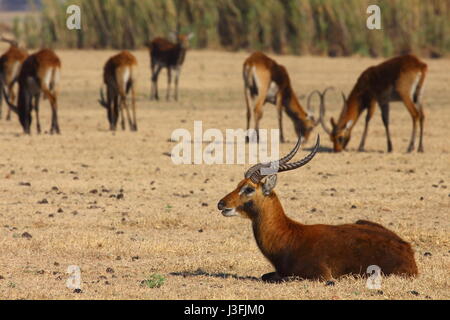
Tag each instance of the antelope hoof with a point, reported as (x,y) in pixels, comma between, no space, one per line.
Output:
(271,277)
(420,149)
(410,149)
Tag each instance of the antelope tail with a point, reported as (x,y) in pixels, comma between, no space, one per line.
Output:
(102,100)
(418,92)
(11,106)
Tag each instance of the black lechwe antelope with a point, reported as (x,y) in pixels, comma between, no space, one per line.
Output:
(318,252)
(166,54)
(118,77)
(267,81)
(39,74)
(397,79)
(10,64)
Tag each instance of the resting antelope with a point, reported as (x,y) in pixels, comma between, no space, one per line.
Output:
(267,81)
(317,251)
(10,63)
(39,74)
(165,54)
(118,78)
(398,79)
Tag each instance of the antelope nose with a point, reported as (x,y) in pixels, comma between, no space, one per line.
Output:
(221,205)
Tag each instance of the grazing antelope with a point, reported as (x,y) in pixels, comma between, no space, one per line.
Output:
(398,79)
(119,81)
(319,251)
(39,74)
(165,54)
(267,81)
(10,63)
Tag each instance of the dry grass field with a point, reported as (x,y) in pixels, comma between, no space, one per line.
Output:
(59,202)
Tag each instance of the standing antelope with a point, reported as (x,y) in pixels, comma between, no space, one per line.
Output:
(319,251)
(267,81)
(39,74)
(10,63)
(165,54)
(398,79)
(119,81)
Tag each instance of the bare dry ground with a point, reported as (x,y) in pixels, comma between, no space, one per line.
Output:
(167,222)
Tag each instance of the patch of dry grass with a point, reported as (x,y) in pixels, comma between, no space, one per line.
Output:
(167,222)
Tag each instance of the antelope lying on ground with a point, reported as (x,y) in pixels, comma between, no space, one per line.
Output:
(397,79)
(39,74)
(10,64)
(267,81)
(118,78)
(165,54)
(318,251)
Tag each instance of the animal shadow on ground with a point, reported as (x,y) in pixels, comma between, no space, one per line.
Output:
(320,149)
(200,272)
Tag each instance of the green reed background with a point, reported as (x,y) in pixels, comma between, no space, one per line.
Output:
(321,27)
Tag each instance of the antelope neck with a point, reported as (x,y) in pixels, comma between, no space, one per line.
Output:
(271,227)
(351,112)
(294,109)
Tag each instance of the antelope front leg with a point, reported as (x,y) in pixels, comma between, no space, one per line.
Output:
(369,115)
(421,121)
(280,117)
(36,109)
(177,77)
(12,97)
(169,82)
(155,75)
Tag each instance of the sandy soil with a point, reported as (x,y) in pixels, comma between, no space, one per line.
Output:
(167,222)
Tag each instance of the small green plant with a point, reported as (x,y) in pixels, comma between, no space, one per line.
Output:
(154,281)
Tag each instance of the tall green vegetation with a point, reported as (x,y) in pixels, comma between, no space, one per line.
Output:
(323,27)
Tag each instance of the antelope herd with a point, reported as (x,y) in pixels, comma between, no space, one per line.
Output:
(318,252)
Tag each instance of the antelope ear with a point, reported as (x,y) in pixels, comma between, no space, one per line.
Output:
(269,184)
(190,35)
(333,124)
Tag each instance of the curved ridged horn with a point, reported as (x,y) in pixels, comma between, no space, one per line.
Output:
(308,104)
(11,42)
(255,174)
(322,110)
(302,162)
(285,159)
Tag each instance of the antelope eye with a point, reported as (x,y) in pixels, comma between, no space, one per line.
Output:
(249,190)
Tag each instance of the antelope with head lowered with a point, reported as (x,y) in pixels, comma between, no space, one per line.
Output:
(39,74)
(166,54)
(10,64)
(318,252)
(398,79)
(267,81)
(118,78)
